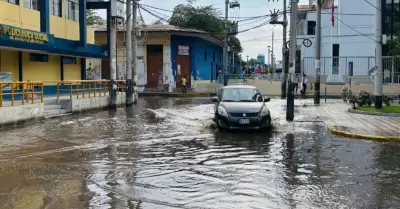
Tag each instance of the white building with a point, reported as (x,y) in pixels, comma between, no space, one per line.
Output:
(350,42)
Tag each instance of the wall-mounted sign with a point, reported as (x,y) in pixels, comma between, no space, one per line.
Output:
(6,77)
(19,34)
(183,50)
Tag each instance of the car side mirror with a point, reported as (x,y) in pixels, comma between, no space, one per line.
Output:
(214,99)
(267,99)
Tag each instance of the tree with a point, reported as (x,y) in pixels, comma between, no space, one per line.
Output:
(206,18)
(157,22)
(93,18)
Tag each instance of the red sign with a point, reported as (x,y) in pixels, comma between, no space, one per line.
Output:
(183,50)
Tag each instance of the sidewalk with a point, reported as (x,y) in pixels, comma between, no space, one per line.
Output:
(340,122)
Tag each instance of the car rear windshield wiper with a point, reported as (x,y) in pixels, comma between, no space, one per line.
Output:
(228,100)
(247,100)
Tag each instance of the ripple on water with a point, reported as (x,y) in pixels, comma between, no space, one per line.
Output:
(169,157)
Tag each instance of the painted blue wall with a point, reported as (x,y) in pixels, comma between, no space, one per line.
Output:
(201,69)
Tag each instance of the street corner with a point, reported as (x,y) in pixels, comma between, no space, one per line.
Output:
(347,132)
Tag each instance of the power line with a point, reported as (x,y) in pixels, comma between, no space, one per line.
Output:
(372,5)
(166,10)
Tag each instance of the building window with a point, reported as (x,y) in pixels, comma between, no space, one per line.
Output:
(205,54)
(69,60)
(72,10)
(12,1)
(55,7)
(32,4)
(311,27)
(38,57)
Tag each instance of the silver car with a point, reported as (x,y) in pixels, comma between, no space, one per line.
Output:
(241,107)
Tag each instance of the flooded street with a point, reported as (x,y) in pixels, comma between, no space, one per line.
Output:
(165,153)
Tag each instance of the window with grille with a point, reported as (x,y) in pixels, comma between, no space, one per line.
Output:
(32,4)
(72,10)
(55,7)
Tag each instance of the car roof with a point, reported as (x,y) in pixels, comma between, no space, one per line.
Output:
(240,87)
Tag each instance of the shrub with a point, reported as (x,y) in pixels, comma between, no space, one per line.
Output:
(387,100)
(345,94)
(364,99)
(353,100)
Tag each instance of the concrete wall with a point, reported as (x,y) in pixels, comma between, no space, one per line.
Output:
(19,113)
(84,104)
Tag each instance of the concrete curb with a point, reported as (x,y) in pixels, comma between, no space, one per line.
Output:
(351,110)
(338,132)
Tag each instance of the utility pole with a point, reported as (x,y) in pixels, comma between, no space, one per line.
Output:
(284,53)
(134,44)
(317,85)
(129,93)
(378,56)
(272,49)
(269,56)
(292,55)
(284,23)
(113,63)
(233,60)
(225,50)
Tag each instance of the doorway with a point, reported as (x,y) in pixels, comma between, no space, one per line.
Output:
(154,66)
(183,69)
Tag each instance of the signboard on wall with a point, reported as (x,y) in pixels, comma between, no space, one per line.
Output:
(183,50)
(20,34)
(6,77)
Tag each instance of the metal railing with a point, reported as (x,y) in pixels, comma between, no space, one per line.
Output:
(250,78)
(21,91)
(88,88)
(336,69)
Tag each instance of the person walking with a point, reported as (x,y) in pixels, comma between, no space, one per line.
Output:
(304,83)
(183,84)
(296,85)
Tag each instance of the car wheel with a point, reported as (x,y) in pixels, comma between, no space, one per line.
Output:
(269,121)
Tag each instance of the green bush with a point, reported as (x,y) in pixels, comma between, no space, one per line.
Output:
(362,99)
(387,100)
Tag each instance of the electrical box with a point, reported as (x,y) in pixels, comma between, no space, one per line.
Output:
(350,68)
(234,29)
(118,9)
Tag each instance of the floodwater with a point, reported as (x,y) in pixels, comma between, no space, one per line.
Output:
(165,153)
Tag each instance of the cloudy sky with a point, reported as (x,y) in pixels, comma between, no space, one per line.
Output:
(254,41)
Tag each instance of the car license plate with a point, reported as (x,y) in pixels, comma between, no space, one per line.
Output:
(244,121)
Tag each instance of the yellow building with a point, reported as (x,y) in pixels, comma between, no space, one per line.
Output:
(45,40)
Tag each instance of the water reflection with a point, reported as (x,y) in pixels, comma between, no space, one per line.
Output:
(128,159)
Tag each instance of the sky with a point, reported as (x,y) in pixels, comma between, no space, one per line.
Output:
(254,41)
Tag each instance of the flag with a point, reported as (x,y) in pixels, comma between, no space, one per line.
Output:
(333,13)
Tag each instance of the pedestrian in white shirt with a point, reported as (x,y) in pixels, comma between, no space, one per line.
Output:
(304,83)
